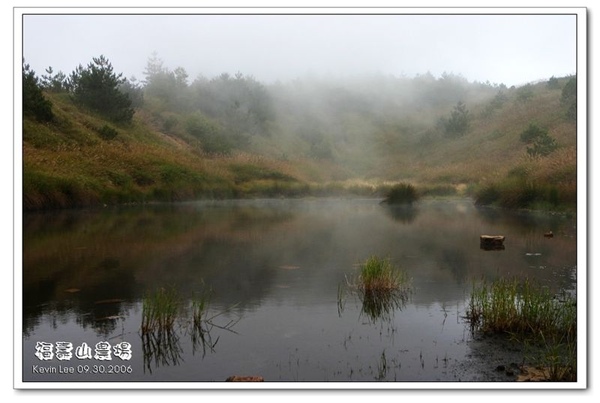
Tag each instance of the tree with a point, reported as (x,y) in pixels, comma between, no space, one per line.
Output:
(496,103)
(54,82)
(553,83)
(541,144)
(209,133)
(240,103)
(134,91)
(35,103)
(459,121)
(525,93)
(569,98)
(171,87)
(97,87)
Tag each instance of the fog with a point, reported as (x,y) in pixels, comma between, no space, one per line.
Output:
(510,49)
(355,90)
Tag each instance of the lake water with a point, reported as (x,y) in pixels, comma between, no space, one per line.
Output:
(274,268)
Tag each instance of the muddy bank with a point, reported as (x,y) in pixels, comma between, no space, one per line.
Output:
(499,359)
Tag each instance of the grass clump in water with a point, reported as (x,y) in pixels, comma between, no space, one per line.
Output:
(160,310)
(381,286)
(379,275)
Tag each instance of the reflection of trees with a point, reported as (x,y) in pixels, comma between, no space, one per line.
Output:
(525,221)
(455,260)
(73,259)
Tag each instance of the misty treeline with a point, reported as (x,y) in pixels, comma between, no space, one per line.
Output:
(322,117)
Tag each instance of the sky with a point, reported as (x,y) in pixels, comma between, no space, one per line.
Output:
(508,48)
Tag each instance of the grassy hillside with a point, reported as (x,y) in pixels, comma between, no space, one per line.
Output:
(492,147)
(69,163)
(360,144)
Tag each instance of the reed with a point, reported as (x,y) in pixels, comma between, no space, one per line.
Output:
(160,310)
(522,308)
(199,307)
(378,274)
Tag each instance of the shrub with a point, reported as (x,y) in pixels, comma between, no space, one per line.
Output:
(402,193)
(107,132)
(541,143)
(210,134)
(487,195)
(532,132)
(543,146)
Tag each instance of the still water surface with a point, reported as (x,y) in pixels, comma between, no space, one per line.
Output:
(274,268)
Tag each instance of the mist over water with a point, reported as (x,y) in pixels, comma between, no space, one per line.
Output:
(274,268)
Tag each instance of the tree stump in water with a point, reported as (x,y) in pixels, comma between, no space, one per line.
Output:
(491,242)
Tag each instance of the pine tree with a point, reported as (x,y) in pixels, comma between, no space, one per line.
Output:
(459,121)
(34,102)
(97,87)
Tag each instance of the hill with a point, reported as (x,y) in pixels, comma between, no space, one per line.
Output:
(233,137)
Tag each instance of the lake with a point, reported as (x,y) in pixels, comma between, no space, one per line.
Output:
(275,270)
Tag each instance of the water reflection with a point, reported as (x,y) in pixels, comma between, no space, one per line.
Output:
(378,304)
(274,267)
(381,305)
(161,348)
(405,214)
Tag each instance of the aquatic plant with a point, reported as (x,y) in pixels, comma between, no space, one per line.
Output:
(159,310)
(521,307)
(378,274)
(381,287)
(200,302)
(200,323)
